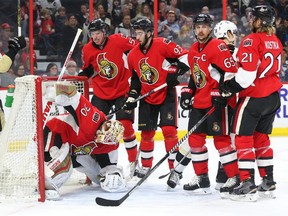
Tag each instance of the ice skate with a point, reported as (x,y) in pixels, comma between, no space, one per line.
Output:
(199,185)
(174,180)
(267,187)
(221,177)
(141,171)
(246,191)
(52,195)
(228,187)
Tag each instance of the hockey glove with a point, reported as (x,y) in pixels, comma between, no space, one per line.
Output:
(17,43)
(217,100)
(131,102)
(172,80)
(186,98)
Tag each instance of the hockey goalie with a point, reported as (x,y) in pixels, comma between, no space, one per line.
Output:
(83,139)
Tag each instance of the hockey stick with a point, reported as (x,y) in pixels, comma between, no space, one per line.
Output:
(163,176)
(49,103)
(139,98)
(19,18)
(107,202)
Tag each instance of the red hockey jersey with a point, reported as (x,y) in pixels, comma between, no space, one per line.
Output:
(111,76)
(81,136)
(260,62)
(205,65)
(152,67)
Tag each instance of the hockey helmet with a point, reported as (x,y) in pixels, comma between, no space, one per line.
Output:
(203,19)
(98,24)
(221,29)
(143,24)
(110,132)
(265,13)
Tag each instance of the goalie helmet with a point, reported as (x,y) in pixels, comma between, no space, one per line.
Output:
(265,13)
(110,132)
(221,29)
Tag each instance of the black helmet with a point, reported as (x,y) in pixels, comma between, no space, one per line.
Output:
(143,24)
(203,19)
(98,24)
(265,13)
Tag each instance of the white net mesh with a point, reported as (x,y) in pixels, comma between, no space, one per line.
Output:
(19,175)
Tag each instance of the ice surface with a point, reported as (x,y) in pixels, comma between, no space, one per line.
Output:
(153,199)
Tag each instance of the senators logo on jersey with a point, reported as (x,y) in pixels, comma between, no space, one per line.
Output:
(108,69)
(86,149)
(198,76)
(148,74)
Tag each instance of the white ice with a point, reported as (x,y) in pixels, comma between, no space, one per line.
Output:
(152,198)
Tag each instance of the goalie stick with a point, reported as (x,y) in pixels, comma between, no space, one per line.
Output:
(107,202)
(49,103)
(139,98)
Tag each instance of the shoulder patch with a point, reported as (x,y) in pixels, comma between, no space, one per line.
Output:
(247,42)
(166,41)
(222,47)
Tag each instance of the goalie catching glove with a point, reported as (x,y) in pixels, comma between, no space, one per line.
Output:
(110,132)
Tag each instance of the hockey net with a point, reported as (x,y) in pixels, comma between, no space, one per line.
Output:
(21,141)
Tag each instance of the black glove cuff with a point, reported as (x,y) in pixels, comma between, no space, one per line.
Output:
(11,54)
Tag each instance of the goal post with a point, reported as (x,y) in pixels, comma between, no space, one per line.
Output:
(22,143)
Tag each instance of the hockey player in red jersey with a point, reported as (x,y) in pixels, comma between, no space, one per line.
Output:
(211,62)
(105,61)
(82,139)
(258,84)
(149,63)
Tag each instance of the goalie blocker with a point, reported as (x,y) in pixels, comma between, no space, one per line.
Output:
(92,142)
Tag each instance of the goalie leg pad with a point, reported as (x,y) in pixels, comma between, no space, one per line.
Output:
(66,94)
(59,169)
(89,167)
(111,179)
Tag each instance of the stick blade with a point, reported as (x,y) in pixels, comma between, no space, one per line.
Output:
(106,202)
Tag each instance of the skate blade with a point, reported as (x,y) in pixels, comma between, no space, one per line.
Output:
(218,186)
(225,195)
(266,195)
(200,191)
(244,197)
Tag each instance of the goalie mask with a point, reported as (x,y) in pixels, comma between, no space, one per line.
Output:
(110,132)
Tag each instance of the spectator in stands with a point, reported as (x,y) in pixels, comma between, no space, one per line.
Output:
(20,70)
(173,6)
(162,13)
(184,37)
(282,31)
(24,11)
(145,12)
(71,69)
(5,34)
(52,69)
(7,78)
(103,14)
(116,13)
(83,15)
(133,6)
(60,20)
(25,56)
(52,5)
(171,25)
(205,10)
(69,32)
(47,32)
(125,27)
(245,21)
